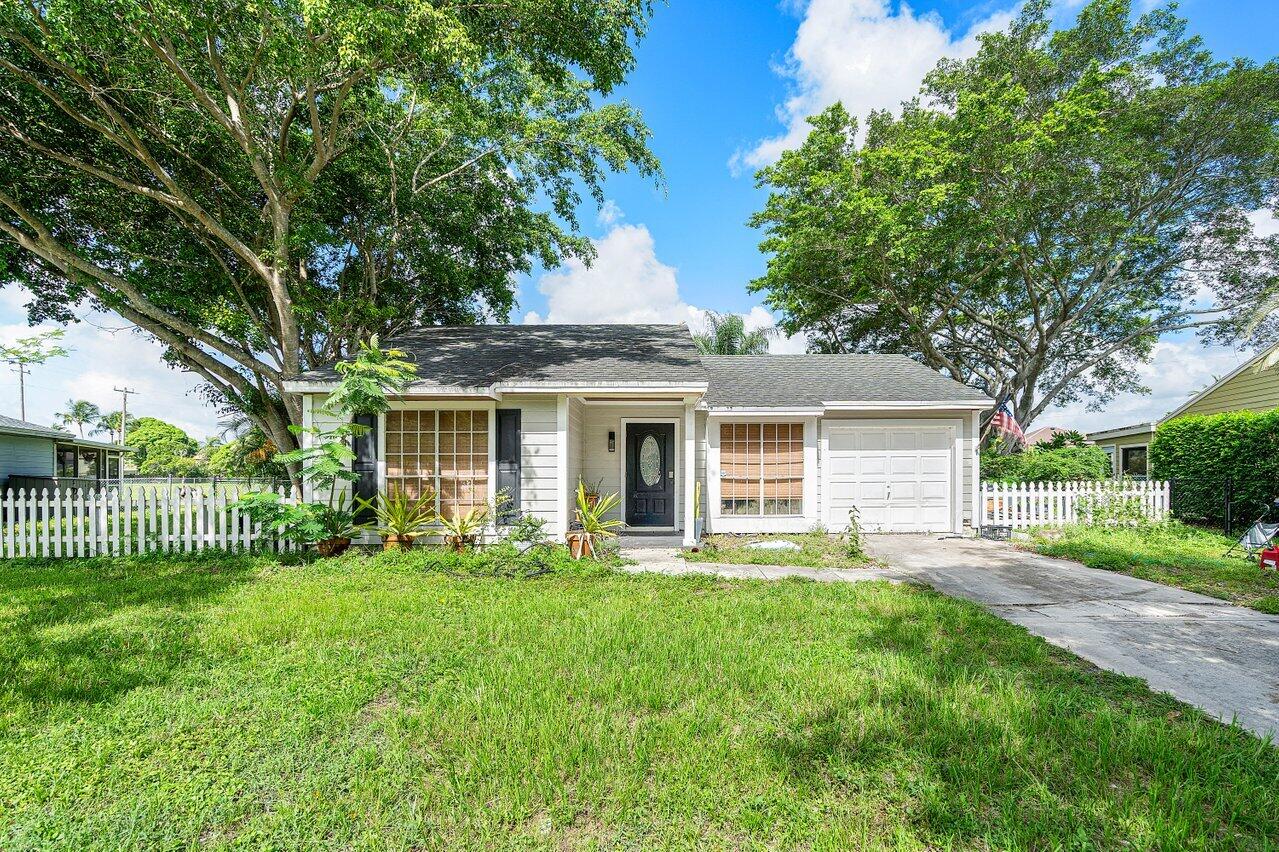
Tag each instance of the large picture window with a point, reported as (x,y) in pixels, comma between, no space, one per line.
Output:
(445,450)
(761,468)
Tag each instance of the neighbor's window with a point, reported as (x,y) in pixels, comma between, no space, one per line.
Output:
(113,466)
(88,463)
(444,450)
(761,468)
(66,460)
(1133,461)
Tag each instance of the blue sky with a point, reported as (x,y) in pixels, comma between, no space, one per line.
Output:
(723,85)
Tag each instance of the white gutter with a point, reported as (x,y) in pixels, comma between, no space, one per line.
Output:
(881,405)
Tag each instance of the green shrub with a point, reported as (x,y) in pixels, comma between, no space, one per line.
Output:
(1064,464)
(1199,453)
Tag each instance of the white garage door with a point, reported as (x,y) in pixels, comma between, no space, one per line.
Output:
(900,477)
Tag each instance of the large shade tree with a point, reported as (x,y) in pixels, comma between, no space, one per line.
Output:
(260,185)
(1041,214)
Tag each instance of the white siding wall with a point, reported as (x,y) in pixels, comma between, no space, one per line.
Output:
(576,421)
(323,420)
(538,488)
(23,455)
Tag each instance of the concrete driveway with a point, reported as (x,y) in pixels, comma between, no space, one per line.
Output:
(1219,657)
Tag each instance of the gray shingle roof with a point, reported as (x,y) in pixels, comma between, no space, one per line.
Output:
(481,355)
(765,381)
(14,426)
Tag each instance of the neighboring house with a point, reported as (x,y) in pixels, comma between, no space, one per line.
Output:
(33,456)
(1246,388)
(1043,435)
(778,443)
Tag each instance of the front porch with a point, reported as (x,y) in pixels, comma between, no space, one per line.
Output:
(645,450)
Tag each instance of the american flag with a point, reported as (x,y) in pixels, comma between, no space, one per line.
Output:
(1006,424)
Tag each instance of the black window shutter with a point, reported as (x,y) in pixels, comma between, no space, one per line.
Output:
(508,462)
(365,463)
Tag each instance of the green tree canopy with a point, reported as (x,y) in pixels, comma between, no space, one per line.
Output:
(726,334)
(1041,214)
(110,424)
(160,448)
(260,185)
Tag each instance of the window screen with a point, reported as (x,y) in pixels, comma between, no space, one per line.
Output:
(761,468)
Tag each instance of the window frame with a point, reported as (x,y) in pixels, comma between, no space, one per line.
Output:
(488,406)
(760,482)
(1123,461)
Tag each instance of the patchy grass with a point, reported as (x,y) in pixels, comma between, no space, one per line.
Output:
(817,550)
(367,703)
(1174,554)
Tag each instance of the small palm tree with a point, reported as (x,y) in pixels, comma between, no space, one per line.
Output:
(79,412)
(110,423)
(726,334)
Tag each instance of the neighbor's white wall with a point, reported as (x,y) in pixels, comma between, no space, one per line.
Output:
(314,415)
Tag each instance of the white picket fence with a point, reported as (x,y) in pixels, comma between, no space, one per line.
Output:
(115,522)
(1039,504)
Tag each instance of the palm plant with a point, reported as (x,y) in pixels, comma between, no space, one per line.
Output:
(463,529)
(113,424)
(591,515)
(399,518)
(79,412)
(726,334)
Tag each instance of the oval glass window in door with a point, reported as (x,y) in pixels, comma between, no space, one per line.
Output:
(650,461)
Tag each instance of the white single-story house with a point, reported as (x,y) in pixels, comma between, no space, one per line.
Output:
(778,443)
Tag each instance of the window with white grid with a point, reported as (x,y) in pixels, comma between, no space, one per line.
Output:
(443,450)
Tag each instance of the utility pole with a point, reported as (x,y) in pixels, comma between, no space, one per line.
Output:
(124,422)
(21,370)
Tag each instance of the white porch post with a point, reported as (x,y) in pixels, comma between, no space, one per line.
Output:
(690,473)
(561,462)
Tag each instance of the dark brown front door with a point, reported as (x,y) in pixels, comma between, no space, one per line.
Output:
(650,474)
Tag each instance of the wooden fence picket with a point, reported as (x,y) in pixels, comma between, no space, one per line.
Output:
(117,521)
(1021,505)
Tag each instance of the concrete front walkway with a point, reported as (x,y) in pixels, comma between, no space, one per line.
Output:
(1219,657)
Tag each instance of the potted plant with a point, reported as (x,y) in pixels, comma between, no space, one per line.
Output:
(594,524)
(400,518)
(463,530)
(592,492)
(339,526)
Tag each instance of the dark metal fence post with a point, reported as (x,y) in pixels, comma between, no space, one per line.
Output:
(1229,494)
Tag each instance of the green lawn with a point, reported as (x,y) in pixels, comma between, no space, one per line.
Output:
(1173,554)
(370,704)
(817,550)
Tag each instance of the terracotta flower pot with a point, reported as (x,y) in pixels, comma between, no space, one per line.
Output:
(332,546)
(460,543)
(397,542)
(579,544)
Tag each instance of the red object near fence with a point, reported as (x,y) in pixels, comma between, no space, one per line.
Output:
(1270,558)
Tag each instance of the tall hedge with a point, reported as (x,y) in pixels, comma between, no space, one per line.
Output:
(1201,452)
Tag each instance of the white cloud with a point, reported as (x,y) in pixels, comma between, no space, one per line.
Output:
(861,53)
(1177,370)
(627,283)
(105,354)
(1264,222)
